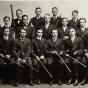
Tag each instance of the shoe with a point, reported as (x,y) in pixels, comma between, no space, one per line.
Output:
(59,82)
(16,84)
(69,82)
(76,82)
(51,82)
(83,82)
(38,81)
(31,83)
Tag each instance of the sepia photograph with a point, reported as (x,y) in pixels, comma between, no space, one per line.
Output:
(43,43)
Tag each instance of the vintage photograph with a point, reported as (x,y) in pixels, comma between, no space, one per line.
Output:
(44,44)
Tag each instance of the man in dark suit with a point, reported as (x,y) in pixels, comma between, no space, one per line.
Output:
(6,20)
(47,27)
(63,32)
(53,45)
(30,31)
(74,47)
(37,20)
(38,52)
(85,59)
(21,50)
(82,31)
(5,51)
(55,19)
(18,21)
(74,22)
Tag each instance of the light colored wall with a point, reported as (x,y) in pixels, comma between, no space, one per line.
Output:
(64,6)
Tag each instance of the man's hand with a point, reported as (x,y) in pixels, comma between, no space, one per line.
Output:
(54,52)
(66,54)
(37,58)
(75,53)
(1,55)
(86,54)
(42,57)
(19,59)
(8,56)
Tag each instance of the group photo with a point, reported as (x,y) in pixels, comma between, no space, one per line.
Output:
(44,44)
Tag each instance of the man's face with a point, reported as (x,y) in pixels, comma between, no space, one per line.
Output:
(19,14)
(39,33)
(54,11)
(64,22)
(72,32)
(38,12)
(74,15)
(6,21)
(6,32)
(54,33)
(22,33)
(82,23)
(47,19)
(25,20)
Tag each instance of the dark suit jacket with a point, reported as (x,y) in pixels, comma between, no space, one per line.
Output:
(11,31)
(62,33)
(77,45)
(73,24)
(20,50)
(52,46)
(80,33)
(56,22)
(6,45)
(38,47)
(30,32)
(37,22)
(47,32)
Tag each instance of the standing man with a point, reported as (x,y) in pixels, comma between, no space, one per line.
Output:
(6,20)
(21,50)
(53,46)
(38,52)
(5,51)
(63,32)
(47,27)
(74,48)
(37,21)
(18,20)
(30,31)
(82,31)
(74,22)
(55,19)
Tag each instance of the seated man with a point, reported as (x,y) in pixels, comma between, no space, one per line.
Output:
(21,50)
(5,50)
(74,48)
(38,53)
(53,46)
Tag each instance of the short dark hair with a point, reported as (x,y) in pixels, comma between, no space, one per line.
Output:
(38,28)
(22,29)
(75,11)
(71,28)
(24,16)
(55,8)
(54,29)
(37,8)
(6,17)
(65,18)
(18,10)
(82,19)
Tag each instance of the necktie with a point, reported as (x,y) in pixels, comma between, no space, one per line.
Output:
(22,40)
(72,39)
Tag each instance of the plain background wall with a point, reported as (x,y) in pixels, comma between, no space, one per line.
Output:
(28,7)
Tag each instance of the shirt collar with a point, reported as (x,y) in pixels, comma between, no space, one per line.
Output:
(55,16)
(54,39)
(5,37)
(38,17)
(22,38)
(83,29)
(39,38)
(7,25)
(73,37)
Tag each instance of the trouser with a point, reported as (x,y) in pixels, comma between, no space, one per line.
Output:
(39,67)
(17,68)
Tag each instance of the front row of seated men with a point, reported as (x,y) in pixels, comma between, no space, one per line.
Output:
(55,54)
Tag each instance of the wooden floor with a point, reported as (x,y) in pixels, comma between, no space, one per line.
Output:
(43,86)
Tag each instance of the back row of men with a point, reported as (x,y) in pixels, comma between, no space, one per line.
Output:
(47,45)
